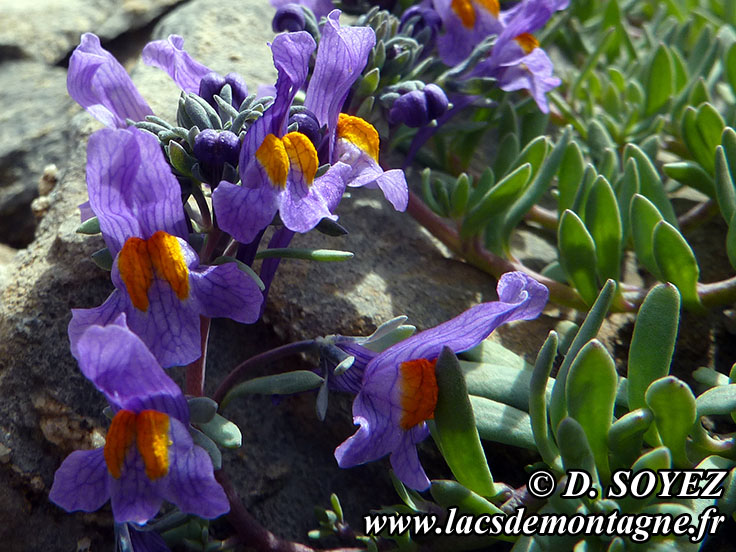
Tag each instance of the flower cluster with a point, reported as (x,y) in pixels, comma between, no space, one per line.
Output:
(292,162)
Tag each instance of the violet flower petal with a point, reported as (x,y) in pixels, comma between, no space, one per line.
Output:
(190,483)
(124,370)
(131,187)
(302,206)
(405,460)
(226,291)
(341,58)
(134,497)
(81,483)
(170,56)
(320,8)
(98,83)
(243,211)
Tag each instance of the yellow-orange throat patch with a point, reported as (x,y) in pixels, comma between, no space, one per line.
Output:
(360,133)
(465,10)
(417,391)
(149,430)
(294,152)
(527,42)
(160,256)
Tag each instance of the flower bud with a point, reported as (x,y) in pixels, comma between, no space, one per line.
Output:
(238,87)
(210,85)
(290,18)
(417,108)
(421,18)
(308,125)
(213,149)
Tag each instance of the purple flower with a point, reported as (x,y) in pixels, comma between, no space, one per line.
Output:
(290,18)
(418,107)
(98,83)
(342,55)
(213,149)
(466,24)
(426,24)
(170,56)
(160,285)
(320,8)
(149,455)
(278,169)
(517,61)
(399,390)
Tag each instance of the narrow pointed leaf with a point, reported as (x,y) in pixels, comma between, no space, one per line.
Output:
(222,431)
(570,176)
(660,81)
(628,186)
(91,226)
(278,384)
(575,449)
(538,386)
(653,460)
(455,428)
(725,185)
(691,174)
(626,435)
(323,255)
(498,382)
(719,400)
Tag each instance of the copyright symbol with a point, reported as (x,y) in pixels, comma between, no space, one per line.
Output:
(541,484)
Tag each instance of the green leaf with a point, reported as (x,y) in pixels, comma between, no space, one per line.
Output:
(538,386)
(201,440)
(590,392)
(451,493)
(103,258)
(498,382)
(492,352)
(277,384)
(534,153)
(222,431)
(626,435)
(201,409)
(541,183)
(718,400)
(730,66)
(498,199)
(570,175)
(724,183)
(575,450)
(698,93)
(603,220)
(91,226)
(599,140)
(502,423)
(578,255)
(677,263)
(460,195)
(484,183)
(644,217)
(691,174)
(627,187)
(731,241)
(508,150)
(588,330)
(323,255)
(673,405)
(650,183)
(660,81)
(179,158)
(243,268)
(653,460)
(653,342)
(456,431)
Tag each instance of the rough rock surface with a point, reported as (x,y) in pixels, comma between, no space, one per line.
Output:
(47,30)
(34,122)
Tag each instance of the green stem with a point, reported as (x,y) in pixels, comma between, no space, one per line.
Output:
(239,371)
(196,370)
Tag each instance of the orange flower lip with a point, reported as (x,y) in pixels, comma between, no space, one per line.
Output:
(149,429)
(360,133)
(418,391)
(527,42)
(294,152)
(160,255)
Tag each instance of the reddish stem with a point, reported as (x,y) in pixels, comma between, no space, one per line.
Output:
(196,370)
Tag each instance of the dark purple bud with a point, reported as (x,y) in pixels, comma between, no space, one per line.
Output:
(210,85)
(238,87)
(290,18)
(308,125)
(213,149)
(410,109)
(436,101)
(422,18)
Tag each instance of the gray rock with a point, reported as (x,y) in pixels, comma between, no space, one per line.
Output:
(34,122)
(47,30)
